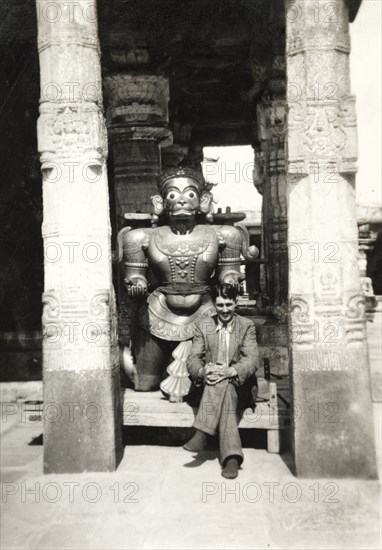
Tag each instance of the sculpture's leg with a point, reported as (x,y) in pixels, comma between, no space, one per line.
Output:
(151,356)
(177,386)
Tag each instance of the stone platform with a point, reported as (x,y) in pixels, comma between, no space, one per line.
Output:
(152,409)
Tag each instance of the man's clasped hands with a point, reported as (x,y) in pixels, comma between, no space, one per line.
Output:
(213,373)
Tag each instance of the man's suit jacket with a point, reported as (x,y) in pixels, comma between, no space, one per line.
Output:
(243,354)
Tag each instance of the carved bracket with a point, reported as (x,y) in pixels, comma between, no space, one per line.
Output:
(71,130)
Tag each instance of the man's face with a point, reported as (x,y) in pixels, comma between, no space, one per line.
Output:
(225,309)
(181,197)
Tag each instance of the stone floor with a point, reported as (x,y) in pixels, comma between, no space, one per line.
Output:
(163,497)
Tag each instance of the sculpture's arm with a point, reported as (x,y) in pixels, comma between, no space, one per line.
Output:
(250,252)
(134,245)
(229,255)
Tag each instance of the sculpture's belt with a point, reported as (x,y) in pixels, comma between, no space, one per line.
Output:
(160,321)
(182,289)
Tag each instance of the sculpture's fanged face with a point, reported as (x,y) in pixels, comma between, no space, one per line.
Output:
(181,197)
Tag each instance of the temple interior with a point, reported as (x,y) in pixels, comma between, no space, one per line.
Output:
(173,78)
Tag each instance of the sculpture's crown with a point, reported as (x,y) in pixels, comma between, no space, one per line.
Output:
(182,172)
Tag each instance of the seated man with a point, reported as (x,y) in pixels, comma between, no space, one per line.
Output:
(223,362)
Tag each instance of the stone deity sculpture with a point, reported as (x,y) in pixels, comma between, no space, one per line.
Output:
(174,263)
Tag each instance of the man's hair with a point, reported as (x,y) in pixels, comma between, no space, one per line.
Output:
(230,292)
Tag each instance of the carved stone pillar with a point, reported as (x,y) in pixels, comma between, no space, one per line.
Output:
(183,151)
(270,162)
(333,431)
(82,417)
(137,120)
(175,154)
(366,240)
(259,181)
(195,156)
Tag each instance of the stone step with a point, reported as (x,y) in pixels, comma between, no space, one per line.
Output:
(152,409)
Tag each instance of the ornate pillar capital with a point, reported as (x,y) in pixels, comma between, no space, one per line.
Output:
(138,107)
(322,124)
(69,131)
(71,123)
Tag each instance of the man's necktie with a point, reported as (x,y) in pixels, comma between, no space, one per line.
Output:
(222,353)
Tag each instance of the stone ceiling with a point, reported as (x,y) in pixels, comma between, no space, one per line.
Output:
(214,52)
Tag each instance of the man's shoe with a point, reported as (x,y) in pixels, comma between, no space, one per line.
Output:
(231,468)
(197,443)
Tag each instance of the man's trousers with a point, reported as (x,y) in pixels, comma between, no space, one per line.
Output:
(218,413)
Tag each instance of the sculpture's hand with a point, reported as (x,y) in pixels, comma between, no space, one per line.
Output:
(233,278)
(136,286)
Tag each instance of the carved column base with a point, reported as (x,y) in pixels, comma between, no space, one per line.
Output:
(333,414)
(79,412)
